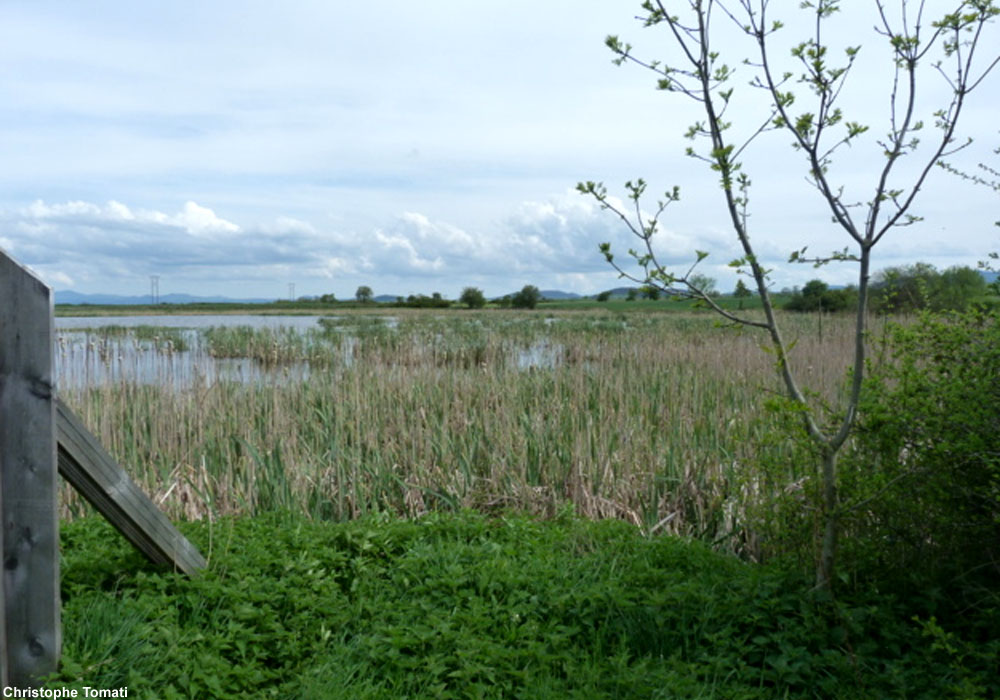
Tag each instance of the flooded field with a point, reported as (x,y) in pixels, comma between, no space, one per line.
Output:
(649,417)
(200,350)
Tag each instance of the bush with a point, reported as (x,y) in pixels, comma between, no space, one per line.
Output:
(925,472)
(920,286)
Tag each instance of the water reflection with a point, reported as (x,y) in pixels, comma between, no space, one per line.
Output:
(103,351)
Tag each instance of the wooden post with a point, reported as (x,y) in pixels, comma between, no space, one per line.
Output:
(28,477)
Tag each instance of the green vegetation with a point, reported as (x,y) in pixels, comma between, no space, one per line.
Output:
(802,78)
(345,560)
(527,298)
(473,298)
(920,286)
(817,296)
(469,606)
(926,465)
(421,301)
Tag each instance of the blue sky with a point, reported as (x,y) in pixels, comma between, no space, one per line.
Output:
(238,147)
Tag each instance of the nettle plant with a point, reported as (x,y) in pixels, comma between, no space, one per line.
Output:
(803,103)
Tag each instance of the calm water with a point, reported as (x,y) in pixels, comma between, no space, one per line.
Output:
(86,357)
(193,321)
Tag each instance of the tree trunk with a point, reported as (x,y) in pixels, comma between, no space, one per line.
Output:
(827,559)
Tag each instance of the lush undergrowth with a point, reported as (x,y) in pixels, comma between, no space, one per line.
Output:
(470,606)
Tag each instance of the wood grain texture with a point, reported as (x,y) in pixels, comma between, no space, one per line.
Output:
(28,478)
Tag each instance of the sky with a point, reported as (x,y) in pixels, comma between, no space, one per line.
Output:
(239,148)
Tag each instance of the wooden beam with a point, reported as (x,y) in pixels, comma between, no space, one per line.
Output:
(28,480)
(86,465)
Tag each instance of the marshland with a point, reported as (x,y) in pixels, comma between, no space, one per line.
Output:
(654,418)
(496,504)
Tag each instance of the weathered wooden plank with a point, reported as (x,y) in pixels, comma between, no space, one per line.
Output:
(86,465)
(28,479)
(3,603)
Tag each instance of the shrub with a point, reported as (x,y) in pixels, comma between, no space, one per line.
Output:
(924,477)
(921,286)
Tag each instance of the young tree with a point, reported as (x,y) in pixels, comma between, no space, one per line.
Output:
(703,282)
(948,47)
(364,294)
(742,292)
(473,297)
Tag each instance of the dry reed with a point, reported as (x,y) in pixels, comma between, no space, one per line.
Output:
(652,418)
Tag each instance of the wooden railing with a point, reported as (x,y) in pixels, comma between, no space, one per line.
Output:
(40,437)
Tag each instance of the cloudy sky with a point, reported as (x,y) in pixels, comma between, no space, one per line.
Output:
(239,147)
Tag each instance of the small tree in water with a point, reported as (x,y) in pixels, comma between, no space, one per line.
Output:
(947,47)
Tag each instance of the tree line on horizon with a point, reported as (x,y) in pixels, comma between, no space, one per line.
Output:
(898,289)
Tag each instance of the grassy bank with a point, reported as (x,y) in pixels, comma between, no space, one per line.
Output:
(469,606)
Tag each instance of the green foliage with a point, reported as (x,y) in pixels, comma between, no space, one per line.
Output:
(920,286)
(422,301)
(473,298)
(363,294)
(604,296)
(922,486)
(742,291)
(527,298)
(467,606)
(703,282)
(816,295)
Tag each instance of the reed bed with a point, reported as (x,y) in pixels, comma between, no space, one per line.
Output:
(651,418)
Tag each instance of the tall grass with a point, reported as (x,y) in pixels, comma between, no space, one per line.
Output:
(654,419)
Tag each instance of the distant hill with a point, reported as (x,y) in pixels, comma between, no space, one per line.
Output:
(556,295)
(551,294)
(68,297)
(621,292)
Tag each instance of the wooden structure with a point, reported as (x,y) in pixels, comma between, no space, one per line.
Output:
(40,436)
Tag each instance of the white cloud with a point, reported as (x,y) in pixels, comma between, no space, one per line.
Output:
(198,220)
